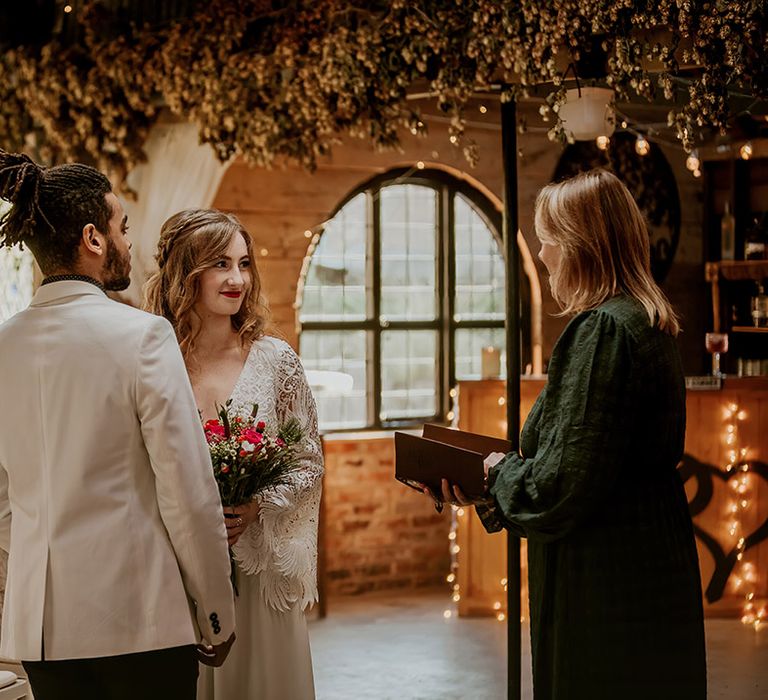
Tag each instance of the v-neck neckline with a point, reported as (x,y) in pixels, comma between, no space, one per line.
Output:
(239,379)
(240,376)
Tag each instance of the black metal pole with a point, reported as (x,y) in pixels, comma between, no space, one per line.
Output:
(512,328)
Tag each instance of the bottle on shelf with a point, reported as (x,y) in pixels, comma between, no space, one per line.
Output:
(727,234)
(759,307)
(755,247)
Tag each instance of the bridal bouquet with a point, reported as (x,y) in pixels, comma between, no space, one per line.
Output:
(246,458)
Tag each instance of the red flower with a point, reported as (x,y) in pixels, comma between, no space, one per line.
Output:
(243,453)
(260,426)
(214,427)
(251,435)
(225,469)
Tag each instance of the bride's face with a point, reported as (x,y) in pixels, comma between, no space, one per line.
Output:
(224,285)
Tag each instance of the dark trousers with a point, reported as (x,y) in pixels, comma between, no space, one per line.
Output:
(166,674)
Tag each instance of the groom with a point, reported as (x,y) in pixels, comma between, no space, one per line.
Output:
(108,505)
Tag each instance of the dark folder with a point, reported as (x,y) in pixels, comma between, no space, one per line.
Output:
(442,453)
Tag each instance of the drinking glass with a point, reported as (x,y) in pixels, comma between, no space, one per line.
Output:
(715,344)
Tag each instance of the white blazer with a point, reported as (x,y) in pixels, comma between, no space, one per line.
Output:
(107,496)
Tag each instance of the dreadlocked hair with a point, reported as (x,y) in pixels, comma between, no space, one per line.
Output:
(50,207)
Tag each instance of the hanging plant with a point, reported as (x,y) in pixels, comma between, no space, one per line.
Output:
(264,79)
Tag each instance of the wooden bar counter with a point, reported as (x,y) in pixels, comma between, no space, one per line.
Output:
(725,470)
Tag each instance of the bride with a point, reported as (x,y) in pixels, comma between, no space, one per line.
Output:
(208,287)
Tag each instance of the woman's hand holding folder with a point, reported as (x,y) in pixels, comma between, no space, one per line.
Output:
(451,493)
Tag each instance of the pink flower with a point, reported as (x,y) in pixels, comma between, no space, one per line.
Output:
(280,442)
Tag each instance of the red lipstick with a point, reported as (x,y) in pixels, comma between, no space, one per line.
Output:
(232,295)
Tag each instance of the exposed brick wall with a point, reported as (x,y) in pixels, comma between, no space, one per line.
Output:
(378,534)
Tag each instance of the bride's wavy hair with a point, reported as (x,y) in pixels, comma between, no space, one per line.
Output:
(191,242)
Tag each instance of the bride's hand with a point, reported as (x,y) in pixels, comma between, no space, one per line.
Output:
(238,518)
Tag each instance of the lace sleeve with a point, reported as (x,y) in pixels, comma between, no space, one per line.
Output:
(283,544)
(293,399)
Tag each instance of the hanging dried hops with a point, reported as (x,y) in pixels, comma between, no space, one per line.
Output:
(269,80)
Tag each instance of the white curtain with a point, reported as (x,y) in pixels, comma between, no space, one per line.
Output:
(180,173)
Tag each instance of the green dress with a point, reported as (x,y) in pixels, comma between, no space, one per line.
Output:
(615,592)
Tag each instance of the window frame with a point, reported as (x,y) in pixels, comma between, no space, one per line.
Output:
(447,187)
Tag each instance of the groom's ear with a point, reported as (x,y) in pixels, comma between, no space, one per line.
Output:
(93,241)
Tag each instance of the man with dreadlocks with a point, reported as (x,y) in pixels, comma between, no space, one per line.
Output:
(108,506)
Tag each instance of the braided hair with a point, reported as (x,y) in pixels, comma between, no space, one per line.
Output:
(50,207)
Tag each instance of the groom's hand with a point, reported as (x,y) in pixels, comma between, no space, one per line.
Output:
(215,655)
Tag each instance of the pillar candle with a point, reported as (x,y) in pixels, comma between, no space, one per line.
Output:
(490,365)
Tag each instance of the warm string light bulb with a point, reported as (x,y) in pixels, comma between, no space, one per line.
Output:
(746,151)
(692,162)
(642,146)
(603,142)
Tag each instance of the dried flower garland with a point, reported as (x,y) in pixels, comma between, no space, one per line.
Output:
(264,78)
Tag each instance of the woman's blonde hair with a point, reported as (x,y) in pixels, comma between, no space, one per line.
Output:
(191,242)
(604,246)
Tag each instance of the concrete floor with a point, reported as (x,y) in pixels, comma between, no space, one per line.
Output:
(400,647)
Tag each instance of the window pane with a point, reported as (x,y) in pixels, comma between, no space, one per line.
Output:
(408,374)
(16,281)
(479,267)
(338,351)
(335,285)
(408,252)
(469,344)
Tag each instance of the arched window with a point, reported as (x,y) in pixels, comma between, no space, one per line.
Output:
(401,289)
(16,278)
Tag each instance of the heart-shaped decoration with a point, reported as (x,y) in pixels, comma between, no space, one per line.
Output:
(705,474)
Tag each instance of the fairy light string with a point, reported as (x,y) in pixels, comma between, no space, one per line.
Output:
(459,516)
(744,577)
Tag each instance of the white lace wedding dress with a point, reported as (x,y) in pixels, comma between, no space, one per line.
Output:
(276,556)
